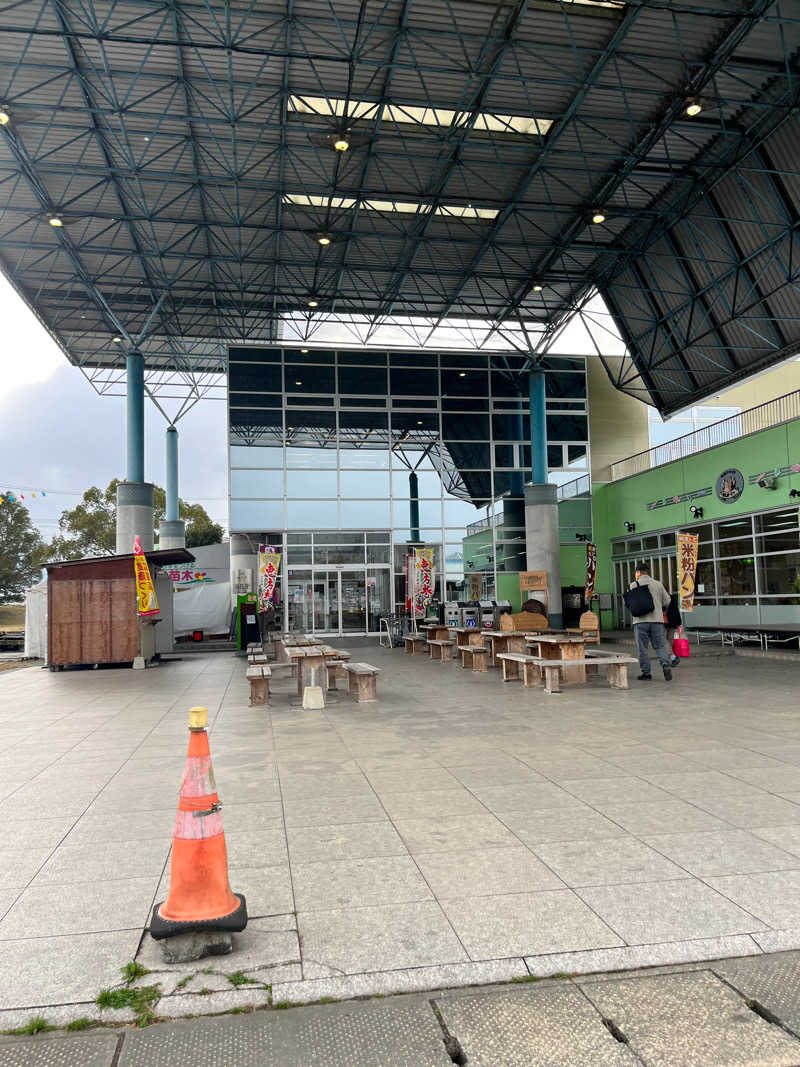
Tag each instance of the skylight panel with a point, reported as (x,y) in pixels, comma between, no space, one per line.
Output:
(337,107)
(408,207)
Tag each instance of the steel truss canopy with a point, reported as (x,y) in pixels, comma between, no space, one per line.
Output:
(182,175)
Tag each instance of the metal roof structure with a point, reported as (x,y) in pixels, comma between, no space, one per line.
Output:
(187,149)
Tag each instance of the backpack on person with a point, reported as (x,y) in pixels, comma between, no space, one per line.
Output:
(639,600)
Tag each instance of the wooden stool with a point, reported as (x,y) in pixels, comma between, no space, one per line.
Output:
(258,676)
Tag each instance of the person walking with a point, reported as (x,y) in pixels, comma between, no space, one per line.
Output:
(672,623)
(649,626)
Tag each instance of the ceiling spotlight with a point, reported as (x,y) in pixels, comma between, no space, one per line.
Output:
(304,351)
(419,422)
(5,117)
(696,512)
(117,340)
(629,526)
(341,142)
(598,216)
(537,287)
(56,221)
(298,382)
(323,239)
(693,107)
(462,374)
(313,303)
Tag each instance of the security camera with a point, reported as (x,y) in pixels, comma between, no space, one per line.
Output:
(767,481)
(629,526)
(696,512)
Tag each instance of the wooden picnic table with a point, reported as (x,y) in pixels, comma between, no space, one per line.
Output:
(309,659)
(562,646)
(504,641)
(469,635)
(435,632)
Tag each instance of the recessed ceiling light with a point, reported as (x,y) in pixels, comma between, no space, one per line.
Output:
(304,350)
(462,374)
(598,216)
(313,303)
(117,340)
(55,220)
(145,138)
(693,107)
(419,422)
(341,142)
(537,287)
(323,239)
(298,382)
(5,117)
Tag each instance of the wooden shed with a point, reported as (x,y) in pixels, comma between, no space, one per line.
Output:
(92,609)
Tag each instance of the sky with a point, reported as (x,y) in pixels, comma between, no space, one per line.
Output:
(58,435)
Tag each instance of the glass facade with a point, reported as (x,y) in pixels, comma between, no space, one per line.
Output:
(748,568)
(417,446)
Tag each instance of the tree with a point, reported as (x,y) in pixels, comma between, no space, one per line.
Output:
(89,529)
(22,551)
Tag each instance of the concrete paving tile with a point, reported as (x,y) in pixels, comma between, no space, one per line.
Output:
(649,912)
(773,981)
(385,938)
(236,817)
(579,767)
(308,844)
(60,970)
(88,908)
(260,946)
(484,873)
(538,796)
(781,779)
(601,964)
(665,817)
(480,777)
(405,780)
(95,1050)
(600,792)
(102,862)
(722,852)
(324,785)
(264,847)
(357,883)
(524,924)
(752,811)
(450,833)
(657,763)
(429,802)
(553,1025)
(571,824)
(610,861)
(692,1020)
(268,890)
(325,811)
(96,827)
(701,783)
(786,838)
(19,865)
(773,897)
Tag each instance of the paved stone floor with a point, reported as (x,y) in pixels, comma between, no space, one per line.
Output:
(458,831)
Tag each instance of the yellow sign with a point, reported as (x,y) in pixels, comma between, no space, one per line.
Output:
(687,567)
(146,602)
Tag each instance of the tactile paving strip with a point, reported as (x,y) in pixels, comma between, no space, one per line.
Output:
(62,1051)
(552,1025)
(774,981)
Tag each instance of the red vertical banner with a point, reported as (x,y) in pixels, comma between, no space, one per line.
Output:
(423,580)
(687,569)
(591,573)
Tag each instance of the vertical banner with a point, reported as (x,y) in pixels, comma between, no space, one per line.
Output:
(423,580)
(687,568)
(146,602)
(475,586)
(269,562)
(591,573)
(410,585)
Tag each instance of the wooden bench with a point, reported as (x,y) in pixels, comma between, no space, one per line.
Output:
(415,644)
(473,656)
(362,678)
(616,668)
(256,658)
(258,676)
(441,650)
(511,661)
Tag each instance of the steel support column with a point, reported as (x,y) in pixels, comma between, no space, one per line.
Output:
(134,418)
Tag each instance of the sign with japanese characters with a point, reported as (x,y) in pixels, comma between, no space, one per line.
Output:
(532,581)
(423,580)
(591,572)
(269,563)
(146,602)
(687,567)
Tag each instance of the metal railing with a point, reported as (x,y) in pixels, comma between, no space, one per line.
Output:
(577,488)
(773,413)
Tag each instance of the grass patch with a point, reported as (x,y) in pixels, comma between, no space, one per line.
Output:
(281,1005)
(184,982)
(81,1024)
(526,978)
(241,979)
(140,1001)
(36,1025)
(133,970)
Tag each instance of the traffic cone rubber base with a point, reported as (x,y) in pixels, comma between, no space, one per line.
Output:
(233,923)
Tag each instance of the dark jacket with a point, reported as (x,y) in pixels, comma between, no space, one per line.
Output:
(673,613)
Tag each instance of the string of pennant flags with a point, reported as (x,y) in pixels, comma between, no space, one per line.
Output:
(11,495)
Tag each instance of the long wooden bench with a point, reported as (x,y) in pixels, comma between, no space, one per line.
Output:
(441,650)
(511,663)
(473,657)
(616,668)
(258,675)
(362,678)
(415,644)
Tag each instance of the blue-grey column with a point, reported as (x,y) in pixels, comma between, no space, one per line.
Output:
(134,416)
(413,505)
(172,531)
(541,504)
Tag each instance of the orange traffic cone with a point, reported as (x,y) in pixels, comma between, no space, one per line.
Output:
(200,896)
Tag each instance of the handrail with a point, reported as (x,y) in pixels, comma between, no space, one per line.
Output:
(763,416)
(580,485)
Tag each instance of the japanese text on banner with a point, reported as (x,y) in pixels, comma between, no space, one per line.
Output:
(269,563)
(687,567)
(146,602)
(423,580)
(591,573)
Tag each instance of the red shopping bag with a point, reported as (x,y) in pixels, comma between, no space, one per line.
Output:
(680,645)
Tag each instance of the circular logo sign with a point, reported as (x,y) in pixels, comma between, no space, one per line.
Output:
(730,485)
